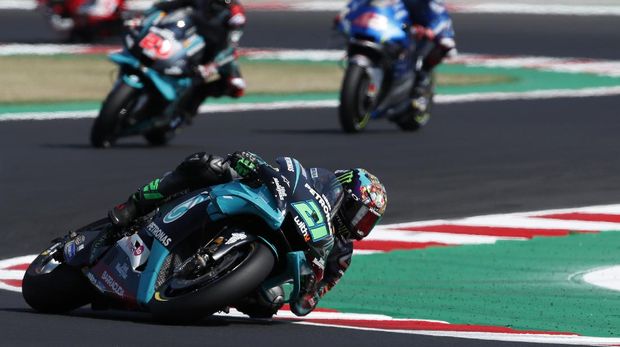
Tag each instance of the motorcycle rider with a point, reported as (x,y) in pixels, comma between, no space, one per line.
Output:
(86,18)
(361,208)
(431,21)
(220,23)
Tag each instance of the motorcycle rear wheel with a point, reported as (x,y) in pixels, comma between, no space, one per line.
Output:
(242,271)
(116,106)
(412,119)
(60,290)
(355,103)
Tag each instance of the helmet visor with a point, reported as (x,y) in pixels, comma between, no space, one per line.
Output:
(362,219)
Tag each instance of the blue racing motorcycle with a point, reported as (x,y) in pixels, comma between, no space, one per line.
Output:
(203,252)
(382,63)
(154,95)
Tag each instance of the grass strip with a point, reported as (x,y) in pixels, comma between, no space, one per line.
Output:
(84,78)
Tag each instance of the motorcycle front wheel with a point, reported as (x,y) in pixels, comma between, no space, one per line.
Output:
(53,287)
(355,99)
(115,108)
(190,296)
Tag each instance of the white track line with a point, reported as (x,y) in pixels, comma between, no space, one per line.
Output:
(608,277)
(537,223)
(605,209)
(540,9)
(45,49)
(16,261)
(530,95)
(244,107)
(13,274)
(447,238)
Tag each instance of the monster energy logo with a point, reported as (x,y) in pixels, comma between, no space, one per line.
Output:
(346,177)
(150,190)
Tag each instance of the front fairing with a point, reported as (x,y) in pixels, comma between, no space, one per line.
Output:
(166,43)
(381,21)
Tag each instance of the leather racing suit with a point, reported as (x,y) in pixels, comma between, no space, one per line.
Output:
(431,21)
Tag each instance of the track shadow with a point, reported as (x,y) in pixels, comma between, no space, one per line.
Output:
(145,318)
(336,132)
(119,146)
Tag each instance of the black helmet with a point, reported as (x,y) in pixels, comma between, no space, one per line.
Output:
(363,205)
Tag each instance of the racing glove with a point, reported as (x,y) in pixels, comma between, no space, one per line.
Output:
(308,297)
(420,33)
(305,304)
(245,163)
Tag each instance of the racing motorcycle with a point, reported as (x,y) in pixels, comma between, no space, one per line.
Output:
(382,62)
(200,253)
(154,95)
(69,20)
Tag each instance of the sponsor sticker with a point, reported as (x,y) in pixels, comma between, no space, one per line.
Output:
(112,284)
(286,181)
(235,237)
(135,248)
(138,248)
(70,250)
(185,206)
(302,227)
(321,199)
(279,189)
(79,239)
(95,281)
(122,269)
(159,234)
(289,164)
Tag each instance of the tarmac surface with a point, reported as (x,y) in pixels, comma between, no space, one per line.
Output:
(474,158)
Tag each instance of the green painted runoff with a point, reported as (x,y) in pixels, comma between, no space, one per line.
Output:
(517,284)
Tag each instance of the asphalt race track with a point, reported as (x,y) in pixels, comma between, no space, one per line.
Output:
(473,158)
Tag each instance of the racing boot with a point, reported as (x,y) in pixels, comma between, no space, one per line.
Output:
(143,201)
(123,214)
(235,84)
(235,87)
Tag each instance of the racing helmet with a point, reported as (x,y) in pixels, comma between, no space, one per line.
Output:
(363,205)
